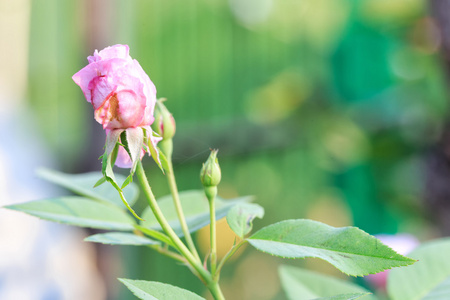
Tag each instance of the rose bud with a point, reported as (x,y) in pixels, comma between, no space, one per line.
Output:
(164,124)
(210,175)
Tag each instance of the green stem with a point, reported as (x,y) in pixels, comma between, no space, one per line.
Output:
(205,275)
(168,253)
(211,193)
(167,148)
(228,255)
(179,209)
(215,290)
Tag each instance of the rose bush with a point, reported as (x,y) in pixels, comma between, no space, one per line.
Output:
(121,93)
(124,100)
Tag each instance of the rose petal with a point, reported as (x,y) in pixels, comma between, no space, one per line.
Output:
(123,159)
(116,51)
(94,70)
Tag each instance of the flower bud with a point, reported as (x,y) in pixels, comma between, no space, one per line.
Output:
(210,174)
(164,124)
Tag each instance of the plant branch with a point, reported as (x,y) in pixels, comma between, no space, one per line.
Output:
(179,209)
(212,232)
(229,254)
(205,275)
(166,252)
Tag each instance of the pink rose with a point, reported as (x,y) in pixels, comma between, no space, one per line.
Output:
(121,93)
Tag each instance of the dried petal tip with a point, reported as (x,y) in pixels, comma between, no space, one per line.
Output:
(210,174)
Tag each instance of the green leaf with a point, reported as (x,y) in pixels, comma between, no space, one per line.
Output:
(349,249)
(429,278)
(82,184)
(195,207)
(351,296)
(151,290)
(301,284)
(78,211)
(120,238)
(240,217)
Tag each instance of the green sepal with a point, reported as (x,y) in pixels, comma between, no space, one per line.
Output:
(124,143)
(134,140)
(152,149)
(127,181)
(100,182)
(112,148)
(107,158)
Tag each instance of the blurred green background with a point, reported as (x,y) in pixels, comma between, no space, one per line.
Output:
(324,109)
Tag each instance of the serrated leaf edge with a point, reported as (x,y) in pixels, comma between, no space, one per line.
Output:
(408,261)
